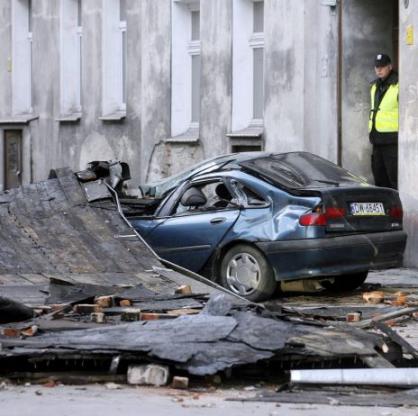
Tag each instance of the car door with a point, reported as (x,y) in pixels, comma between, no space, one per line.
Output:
(188,237)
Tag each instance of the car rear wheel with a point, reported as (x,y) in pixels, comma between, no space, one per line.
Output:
(246,272)
(347,282)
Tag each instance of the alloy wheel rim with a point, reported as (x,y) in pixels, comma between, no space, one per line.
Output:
(243,274)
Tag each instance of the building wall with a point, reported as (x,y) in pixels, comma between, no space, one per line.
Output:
(216,83)
(301,60)
(301,84)
(408,134)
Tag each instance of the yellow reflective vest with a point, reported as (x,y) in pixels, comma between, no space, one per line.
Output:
(387,115)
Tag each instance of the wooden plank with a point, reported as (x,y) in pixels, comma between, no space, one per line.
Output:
(385,317)
(394,336)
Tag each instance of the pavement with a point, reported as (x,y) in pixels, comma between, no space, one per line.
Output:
(135,401)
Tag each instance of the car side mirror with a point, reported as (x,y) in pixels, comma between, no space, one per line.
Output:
(193,197)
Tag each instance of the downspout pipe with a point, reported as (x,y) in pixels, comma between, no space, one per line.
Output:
(339,81)
(363,376)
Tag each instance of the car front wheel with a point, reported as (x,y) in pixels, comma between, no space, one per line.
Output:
(246,272)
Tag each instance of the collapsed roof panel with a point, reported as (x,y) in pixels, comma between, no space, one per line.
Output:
(49,229)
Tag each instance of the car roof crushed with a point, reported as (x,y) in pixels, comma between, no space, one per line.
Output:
(78,283)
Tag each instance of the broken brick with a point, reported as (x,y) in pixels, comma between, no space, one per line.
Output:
(155,375)
(104,301)
(374,297)
(98,317)
(400,299)
(86,309)
(180,382)
(131,315)
(10,332)
(152,316)
(184,290)
(353,317)
(30,331)
(125,303)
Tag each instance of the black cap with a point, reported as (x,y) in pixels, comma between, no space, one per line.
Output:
(382,60)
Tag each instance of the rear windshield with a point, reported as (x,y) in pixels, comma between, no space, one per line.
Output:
(299,170)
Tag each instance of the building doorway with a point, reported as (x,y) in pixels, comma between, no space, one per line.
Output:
(12,158)
(367,27)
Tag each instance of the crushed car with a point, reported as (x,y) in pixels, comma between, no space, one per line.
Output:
(251,220)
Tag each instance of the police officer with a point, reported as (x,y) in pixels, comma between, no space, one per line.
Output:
(384,123)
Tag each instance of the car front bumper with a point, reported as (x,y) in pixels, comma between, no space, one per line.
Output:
(332,256)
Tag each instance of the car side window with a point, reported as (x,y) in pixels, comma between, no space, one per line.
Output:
(216,194)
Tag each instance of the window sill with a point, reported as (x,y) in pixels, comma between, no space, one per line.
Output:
(189,136)
(250,132)
(116,116)
(19,119)
(69,118)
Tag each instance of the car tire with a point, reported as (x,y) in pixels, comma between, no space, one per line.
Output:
(245,271)
(347,282)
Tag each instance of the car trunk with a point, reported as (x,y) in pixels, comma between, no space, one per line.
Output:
(349,204)
(356,210)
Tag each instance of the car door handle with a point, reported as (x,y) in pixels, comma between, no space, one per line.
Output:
(217,220)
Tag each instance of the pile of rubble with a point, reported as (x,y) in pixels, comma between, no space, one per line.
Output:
(81,292)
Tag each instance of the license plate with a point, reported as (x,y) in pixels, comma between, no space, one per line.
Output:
(367,208)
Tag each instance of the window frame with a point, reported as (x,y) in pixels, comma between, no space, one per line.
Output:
(186,86)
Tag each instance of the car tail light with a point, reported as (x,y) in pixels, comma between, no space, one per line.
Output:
(396,213)
(320,217)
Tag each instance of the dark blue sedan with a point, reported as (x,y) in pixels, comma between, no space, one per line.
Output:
(253,220)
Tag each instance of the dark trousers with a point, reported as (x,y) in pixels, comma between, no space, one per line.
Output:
(385,165)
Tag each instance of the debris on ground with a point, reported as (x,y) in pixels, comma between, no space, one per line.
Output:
(91,302)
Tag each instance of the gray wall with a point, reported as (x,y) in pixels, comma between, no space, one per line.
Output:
(56,143)
(216,83)
(408,135)
(301,55)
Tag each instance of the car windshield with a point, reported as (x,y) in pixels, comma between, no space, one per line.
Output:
(159,188)
(301,170)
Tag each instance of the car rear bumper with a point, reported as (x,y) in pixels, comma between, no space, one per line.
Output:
(297,259)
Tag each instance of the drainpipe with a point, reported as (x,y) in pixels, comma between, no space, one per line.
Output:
(339,82)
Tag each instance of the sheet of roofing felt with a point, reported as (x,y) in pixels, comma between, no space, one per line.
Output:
(48,229)
(201,344)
